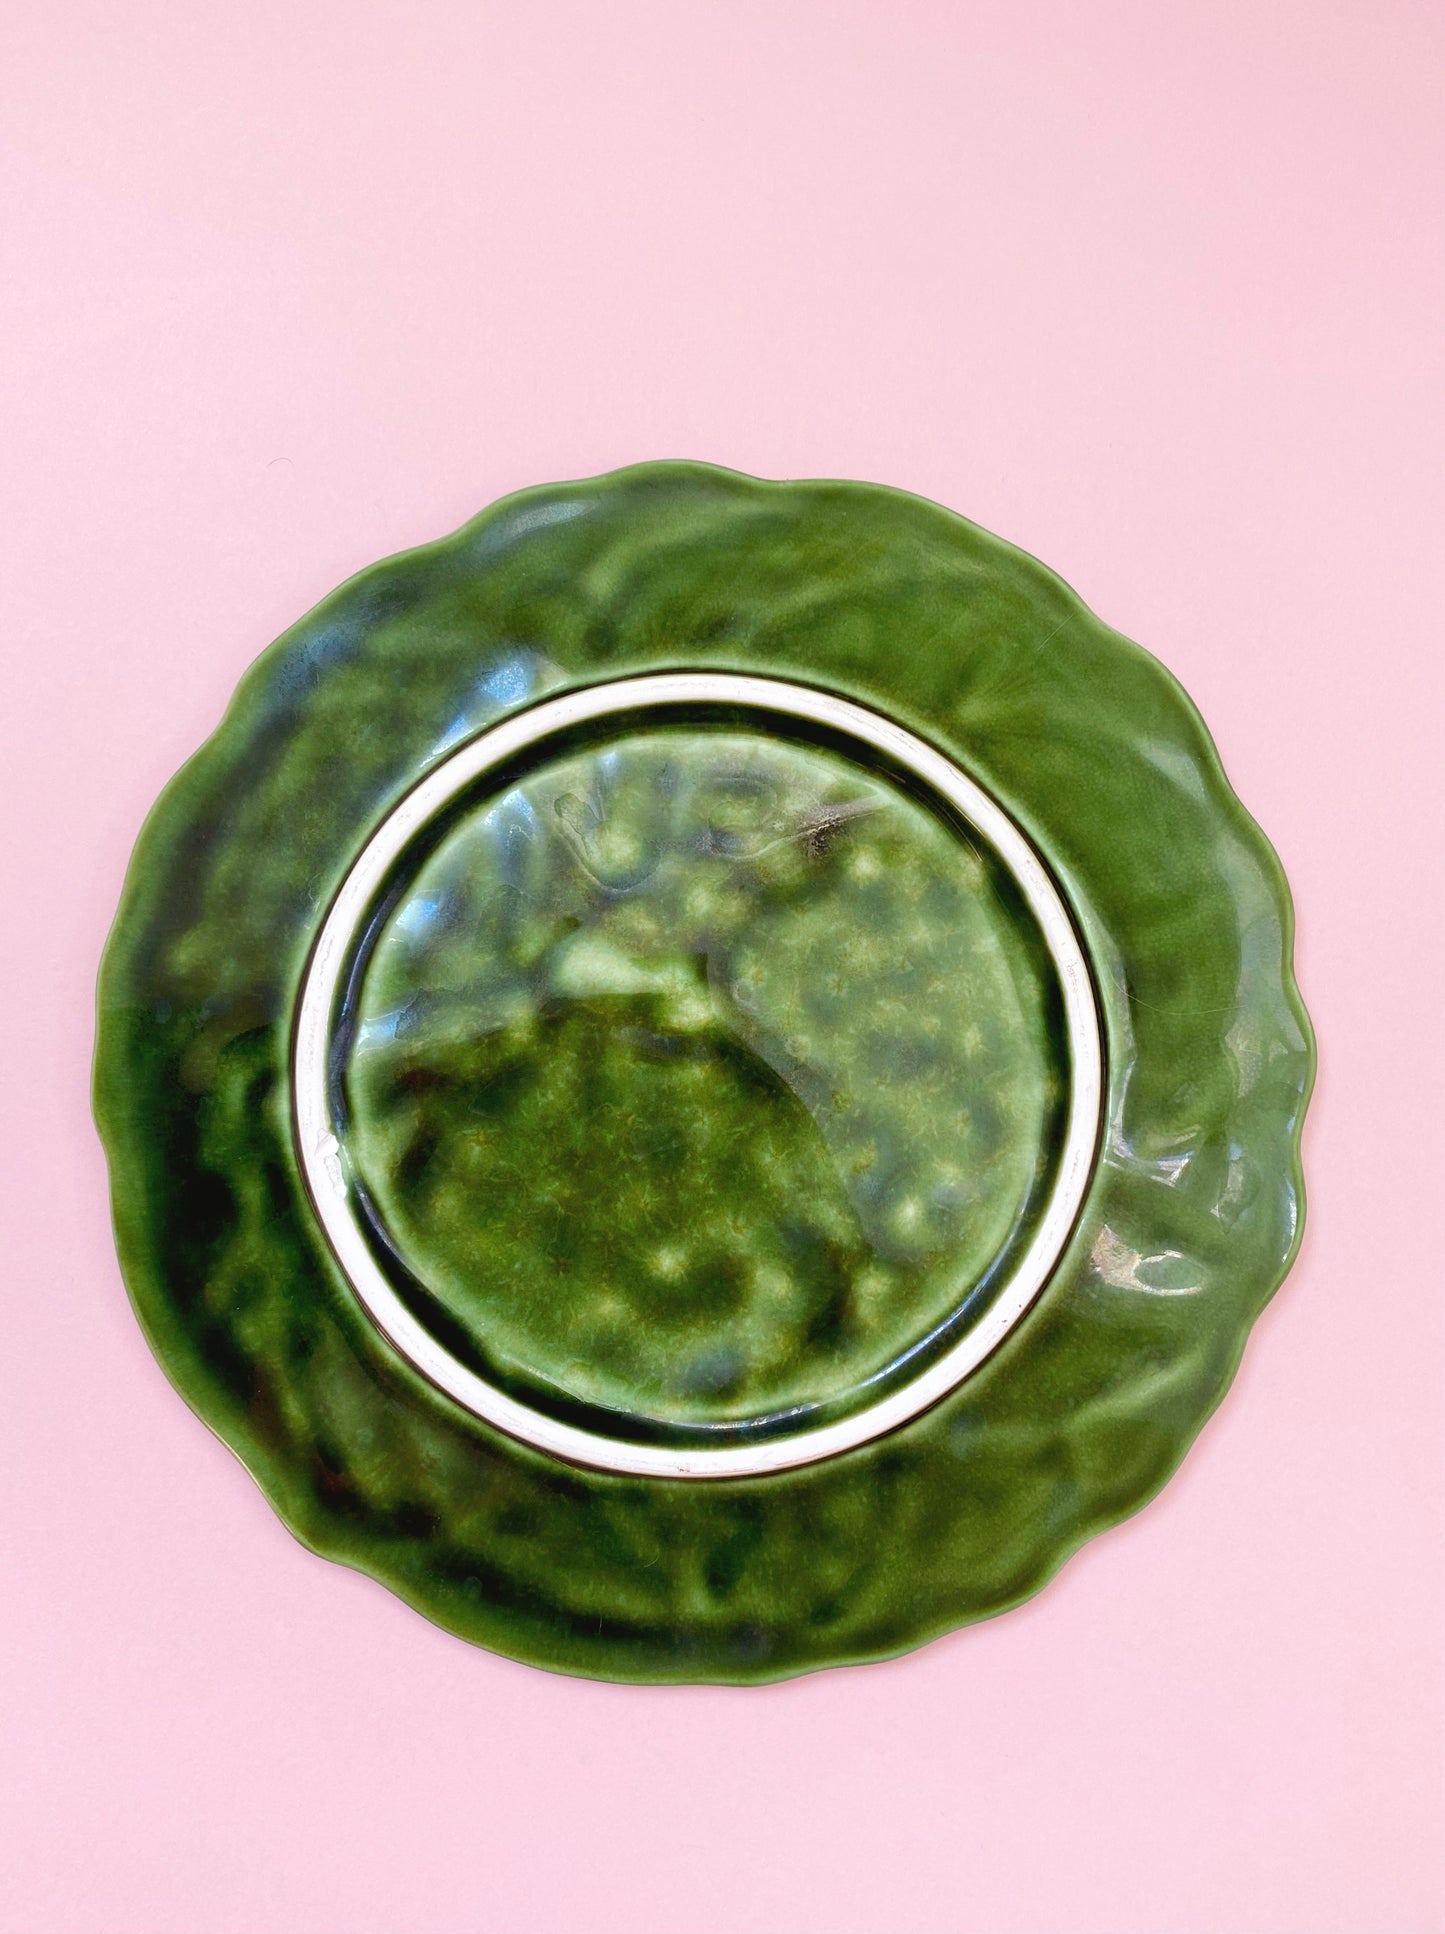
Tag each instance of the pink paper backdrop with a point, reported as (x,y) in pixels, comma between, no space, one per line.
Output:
(1154,290)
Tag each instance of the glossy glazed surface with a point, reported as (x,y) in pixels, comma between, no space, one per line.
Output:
(702,1077)
(1190,1220)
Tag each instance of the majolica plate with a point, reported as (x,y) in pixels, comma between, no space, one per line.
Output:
(703,1077)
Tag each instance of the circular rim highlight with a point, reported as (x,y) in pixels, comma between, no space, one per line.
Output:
(319,1151)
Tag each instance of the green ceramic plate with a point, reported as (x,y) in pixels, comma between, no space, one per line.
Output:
(703,1077)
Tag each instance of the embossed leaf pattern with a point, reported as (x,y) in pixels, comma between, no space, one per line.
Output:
(1190,1223)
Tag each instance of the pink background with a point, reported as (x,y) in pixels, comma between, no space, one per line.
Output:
(1154,290)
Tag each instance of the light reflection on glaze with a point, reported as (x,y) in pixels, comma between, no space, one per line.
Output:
(779,1094)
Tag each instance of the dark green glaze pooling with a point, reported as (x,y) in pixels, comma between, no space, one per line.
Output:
(705,1078)
(1189,1225)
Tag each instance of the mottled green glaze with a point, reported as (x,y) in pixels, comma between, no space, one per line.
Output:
(671,1104)
(701,1076)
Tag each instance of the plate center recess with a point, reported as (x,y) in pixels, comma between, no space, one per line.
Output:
(703,1076)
